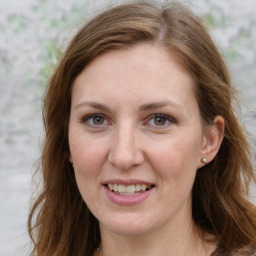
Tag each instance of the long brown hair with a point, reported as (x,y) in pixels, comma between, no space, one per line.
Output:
(60,222)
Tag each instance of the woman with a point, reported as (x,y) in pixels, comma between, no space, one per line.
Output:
(143,153)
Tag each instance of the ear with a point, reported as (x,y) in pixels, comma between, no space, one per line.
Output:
(70,158)
(211,141)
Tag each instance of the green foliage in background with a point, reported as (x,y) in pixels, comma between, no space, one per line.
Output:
(18,22)
(52,48)
(50,55)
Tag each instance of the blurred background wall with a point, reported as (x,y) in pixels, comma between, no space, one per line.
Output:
(33,33)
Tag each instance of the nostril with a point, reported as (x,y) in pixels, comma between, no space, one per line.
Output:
(124,158)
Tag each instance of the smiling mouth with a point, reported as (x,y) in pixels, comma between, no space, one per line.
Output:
(129,190)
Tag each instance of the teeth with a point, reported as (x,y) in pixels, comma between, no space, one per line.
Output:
(128,190)
(137,187)
(121,188)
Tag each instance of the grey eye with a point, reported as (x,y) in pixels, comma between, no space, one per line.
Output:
(94,120)
(98,120)
(158,121)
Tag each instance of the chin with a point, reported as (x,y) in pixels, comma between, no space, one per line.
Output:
(127,226)
(128,230)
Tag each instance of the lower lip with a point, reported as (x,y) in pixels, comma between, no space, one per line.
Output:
(127,200)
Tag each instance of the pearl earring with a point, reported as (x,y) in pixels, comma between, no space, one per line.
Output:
(204,160)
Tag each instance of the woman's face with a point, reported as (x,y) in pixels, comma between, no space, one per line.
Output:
(136,140)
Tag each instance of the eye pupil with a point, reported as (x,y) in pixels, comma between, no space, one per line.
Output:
(98,120)
(159,121)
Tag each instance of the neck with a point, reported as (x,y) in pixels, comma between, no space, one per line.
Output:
(166,241)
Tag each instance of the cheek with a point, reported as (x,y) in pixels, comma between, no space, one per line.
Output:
(87,154)
(175,159)
(87,160)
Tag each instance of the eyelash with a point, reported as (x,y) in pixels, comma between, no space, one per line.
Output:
(86,119)
(92,116)
(162,116)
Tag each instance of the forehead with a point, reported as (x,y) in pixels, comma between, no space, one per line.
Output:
(144,72)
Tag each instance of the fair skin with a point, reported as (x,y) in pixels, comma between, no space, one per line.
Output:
(135,123)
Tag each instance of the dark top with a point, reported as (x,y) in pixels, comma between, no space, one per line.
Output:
(221,251)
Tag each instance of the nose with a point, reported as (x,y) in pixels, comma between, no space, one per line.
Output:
(125,150)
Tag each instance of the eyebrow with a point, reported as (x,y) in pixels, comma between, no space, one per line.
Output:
(144,107)
(156,105)
(93,105)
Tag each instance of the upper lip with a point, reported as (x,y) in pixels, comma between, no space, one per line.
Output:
(127,182)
